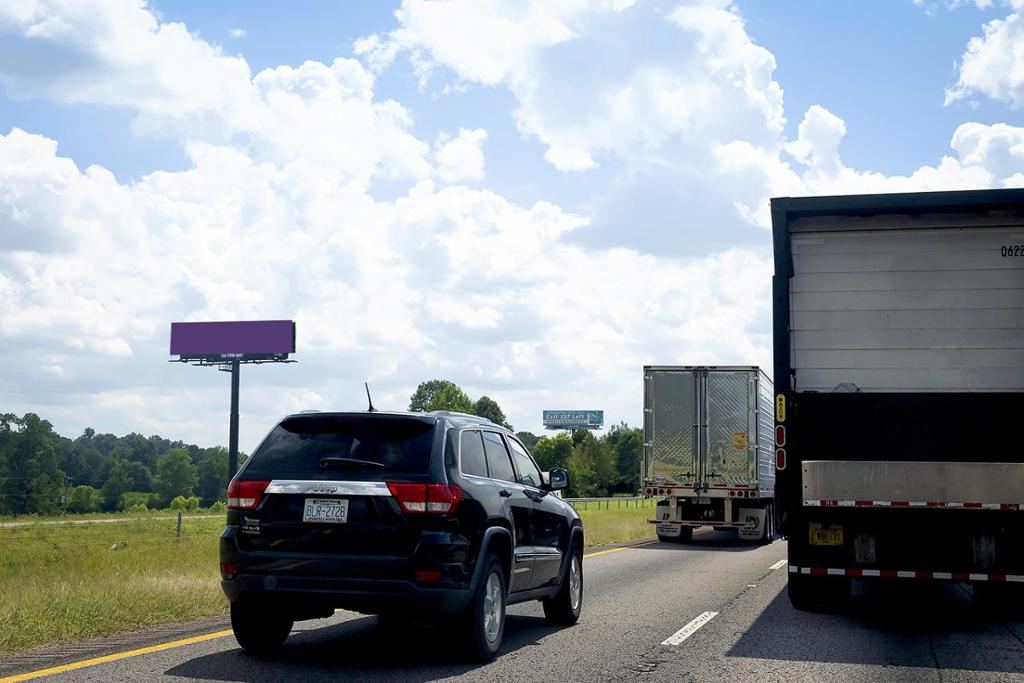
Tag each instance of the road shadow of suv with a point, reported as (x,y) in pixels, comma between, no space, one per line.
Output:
(362,648)
(890,624)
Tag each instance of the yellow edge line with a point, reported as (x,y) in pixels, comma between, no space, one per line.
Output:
(606,552)
(195,639)
(114,657)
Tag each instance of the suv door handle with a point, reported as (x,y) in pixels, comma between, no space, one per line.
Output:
(505,493)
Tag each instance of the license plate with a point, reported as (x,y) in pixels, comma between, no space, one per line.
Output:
(325,510)
(832,535)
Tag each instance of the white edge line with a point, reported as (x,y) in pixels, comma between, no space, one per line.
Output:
(778,565)
(688,630)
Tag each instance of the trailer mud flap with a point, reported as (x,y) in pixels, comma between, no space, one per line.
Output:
(663,515)
(669,530)
(755,519)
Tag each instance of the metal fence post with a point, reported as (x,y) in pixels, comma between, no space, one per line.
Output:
(178,533)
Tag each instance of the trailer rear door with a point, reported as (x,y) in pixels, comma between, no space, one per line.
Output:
(730,426)
(671,419)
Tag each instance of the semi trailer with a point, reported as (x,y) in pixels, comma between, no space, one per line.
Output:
(709,450)
(899,379)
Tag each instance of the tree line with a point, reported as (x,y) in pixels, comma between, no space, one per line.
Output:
(42,472)
(597,466)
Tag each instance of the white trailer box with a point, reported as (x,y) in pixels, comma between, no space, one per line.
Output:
(709,449)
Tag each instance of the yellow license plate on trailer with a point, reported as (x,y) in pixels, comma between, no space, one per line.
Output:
(832,535)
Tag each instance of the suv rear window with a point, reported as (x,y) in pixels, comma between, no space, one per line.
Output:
(298,444)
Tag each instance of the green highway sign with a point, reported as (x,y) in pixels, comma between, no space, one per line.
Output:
(573,419)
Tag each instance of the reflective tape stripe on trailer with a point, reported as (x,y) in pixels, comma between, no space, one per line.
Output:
(906,574)
(700,522)
(911,504)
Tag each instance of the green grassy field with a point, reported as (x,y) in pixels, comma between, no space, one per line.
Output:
(61,583)
(615,524)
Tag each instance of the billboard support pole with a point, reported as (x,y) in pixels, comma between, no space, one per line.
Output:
(229,345)
(233,428)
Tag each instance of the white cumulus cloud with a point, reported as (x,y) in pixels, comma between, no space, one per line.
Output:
(461,158)
(993,63)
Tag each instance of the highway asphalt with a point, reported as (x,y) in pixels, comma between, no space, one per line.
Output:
(720,604)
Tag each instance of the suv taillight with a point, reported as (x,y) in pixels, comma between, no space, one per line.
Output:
(426,498)
(245,495)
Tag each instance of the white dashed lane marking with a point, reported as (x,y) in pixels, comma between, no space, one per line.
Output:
(688,630)
(778,565)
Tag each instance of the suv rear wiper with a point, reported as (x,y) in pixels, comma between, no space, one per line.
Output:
(333,462)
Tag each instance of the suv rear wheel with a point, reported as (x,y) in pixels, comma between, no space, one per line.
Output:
(258,629)
(485,616)
(564,609)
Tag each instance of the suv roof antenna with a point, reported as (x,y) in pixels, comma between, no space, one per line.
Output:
(368,399)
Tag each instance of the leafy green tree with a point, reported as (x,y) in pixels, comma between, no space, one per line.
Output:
(118,483)
(581,475)
(529,439)
(213,476)
(487,407)
(450,397)
(600,460)
(176,475)
(83,499)
(628,445)
(104,443)
(142,479)
(552,452)
(425,392)
(32,481)
(140,449)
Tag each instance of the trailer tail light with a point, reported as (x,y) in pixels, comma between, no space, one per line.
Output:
(426,498)
(780,435)
(244,494)
(780,459)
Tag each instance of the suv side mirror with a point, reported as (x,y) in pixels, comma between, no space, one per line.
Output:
(557,480)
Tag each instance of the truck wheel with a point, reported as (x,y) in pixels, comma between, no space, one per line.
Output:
(484,619)
(564,609)
(258,629)
(817,593)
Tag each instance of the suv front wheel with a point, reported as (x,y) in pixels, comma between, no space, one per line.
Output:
(564,609)
(485,617)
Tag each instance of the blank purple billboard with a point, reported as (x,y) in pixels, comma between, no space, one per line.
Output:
(233,339)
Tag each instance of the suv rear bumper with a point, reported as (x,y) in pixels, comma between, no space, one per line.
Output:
(315,585)
(316,596)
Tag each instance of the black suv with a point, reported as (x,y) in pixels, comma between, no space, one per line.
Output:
(419,516)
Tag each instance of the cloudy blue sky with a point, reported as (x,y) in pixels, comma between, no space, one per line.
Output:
(532,199)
